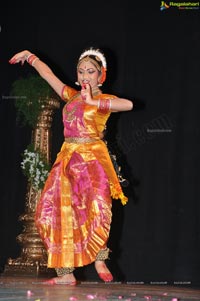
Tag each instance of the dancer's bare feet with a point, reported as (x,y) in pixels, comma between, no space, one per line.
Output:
(67,279)
(103,271)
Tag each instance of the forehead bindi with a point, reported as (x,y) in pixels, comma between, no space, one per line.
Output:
(84,67)
(87,65)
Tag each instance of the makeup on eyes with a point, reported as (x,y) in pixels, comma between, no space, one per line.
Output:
(90,70)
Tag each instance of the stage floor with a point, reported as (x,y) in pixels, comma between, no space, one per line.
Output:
(32,289)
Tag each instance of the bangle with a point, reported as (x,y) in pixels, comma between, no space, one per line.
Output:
(31,59)
(33,62)
(104,105)
(110,104)
(28,56)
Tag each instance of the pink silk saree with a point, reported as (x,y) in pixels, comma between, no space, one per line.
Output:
(73,215)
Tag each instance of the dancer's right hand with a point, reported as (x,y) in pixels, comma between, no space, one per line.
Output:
(20,57)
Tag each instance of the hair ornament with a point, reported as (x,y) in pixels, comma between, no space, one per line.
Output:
(97,53)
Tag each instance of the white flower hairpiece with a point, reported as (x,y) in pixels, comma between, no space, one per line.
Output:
(95,52)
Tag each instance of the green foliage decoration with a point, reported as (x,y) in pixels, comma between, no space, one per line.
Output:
(30,95)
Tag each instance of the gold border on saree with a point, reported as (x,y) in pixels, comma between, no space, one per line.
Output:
(80,140)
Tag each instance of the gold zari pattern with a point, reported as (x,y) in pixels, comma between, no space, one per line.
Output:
(64,271)
(80,140)
(103,254)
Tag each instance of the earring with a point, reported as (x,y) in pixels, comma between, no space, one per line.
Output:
(77,83)
(99,85)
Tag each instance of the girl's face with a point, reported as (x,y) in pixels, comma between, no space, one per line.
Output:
(87,73)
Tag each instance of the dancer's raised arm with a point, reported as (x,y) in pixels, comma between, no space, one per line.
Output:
(43,69)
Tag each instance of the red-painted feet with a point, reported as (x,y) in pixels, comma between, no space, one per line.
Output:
(68,279)
(103,271)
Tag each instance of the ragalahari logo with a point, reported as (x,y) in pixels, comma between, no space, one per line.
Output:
(179,5)
(164,5)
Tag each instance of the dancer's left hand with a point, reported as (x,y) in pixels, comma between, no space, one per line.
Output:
(86,94)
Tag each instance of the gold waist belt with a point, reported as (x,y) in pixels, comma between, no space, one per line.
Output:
(80,140)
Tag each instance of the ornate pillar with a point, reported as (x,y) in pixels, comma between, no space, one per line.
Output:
(33,257)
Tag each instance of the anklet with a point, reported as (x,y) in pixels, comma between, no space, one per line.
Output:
(64,271)
(103,254)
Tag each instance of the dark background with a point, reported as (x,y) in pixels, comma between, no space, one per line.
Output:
(153,59)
